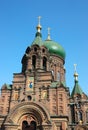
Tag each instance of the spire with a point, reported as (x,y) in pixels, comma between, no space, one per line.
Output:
(48,38)
(38,35)
(77,89)
(39,26)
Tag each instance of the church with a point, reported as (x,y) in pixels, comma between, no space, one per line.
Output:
(38,98)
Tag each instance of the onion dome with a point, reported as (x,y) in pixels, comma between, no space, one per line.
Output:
(54,47)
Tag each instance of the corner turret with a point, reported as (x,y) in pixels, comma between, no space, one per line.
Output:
(77,89)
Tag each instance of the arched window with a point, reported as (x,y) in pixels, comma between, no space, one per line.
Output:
(24,124)
(44,63)
(34,61)
(52,71)
(29,97)
(35,49)
(32,125)
(58,76)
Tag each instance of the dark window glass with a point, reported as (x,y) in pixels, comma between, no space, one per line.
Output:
(44,63)
(34,61)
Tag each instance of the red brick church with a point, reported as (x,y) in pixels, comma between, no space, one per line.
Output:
(38,98)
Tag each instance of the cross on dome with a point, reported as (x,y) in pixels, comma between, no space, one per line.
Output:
(75,74)
(49,30)
(39,18)
(48,38)
(75,65)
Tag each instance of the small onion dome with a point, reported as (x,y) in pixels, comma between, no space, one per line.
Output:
(54,48)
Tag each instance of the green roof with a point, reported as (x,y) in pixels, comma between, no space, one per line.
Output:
(54,84)
(55,48)
(76,90)
(63,83)
(38,39)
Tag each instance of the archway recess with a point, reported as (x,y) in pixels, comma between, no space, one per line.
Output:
(24,110)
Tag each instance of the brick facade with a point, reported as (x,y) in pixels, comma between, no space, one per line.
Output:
(39,95)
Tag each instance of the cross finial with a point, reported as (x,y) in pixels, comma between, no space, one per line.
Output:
(49,30)
(39,18)
(48,38)
(75,67)
(75,74)
(39,26)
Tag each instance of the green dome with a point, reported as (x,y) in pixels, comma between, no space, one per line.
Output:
(54,48)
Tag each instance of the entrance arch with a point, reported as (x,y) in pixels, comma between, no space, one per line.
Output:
(28,111)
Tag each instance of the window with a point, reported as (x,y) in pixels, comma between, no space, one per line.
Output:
(43,50)
(33,125)
(24,124)
(35,49)
(29,98)
(34,61)
(78,105)
(44,63)
(58,76)
(52,72)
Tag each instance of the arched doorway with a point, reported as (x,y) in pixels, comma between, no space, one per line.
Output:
(30,114)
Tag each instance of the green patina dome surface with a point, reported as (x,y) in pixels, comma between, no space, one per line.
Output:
(54,48)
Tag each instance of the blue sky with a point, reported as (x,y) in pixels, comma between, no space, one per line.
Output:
(68,20)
